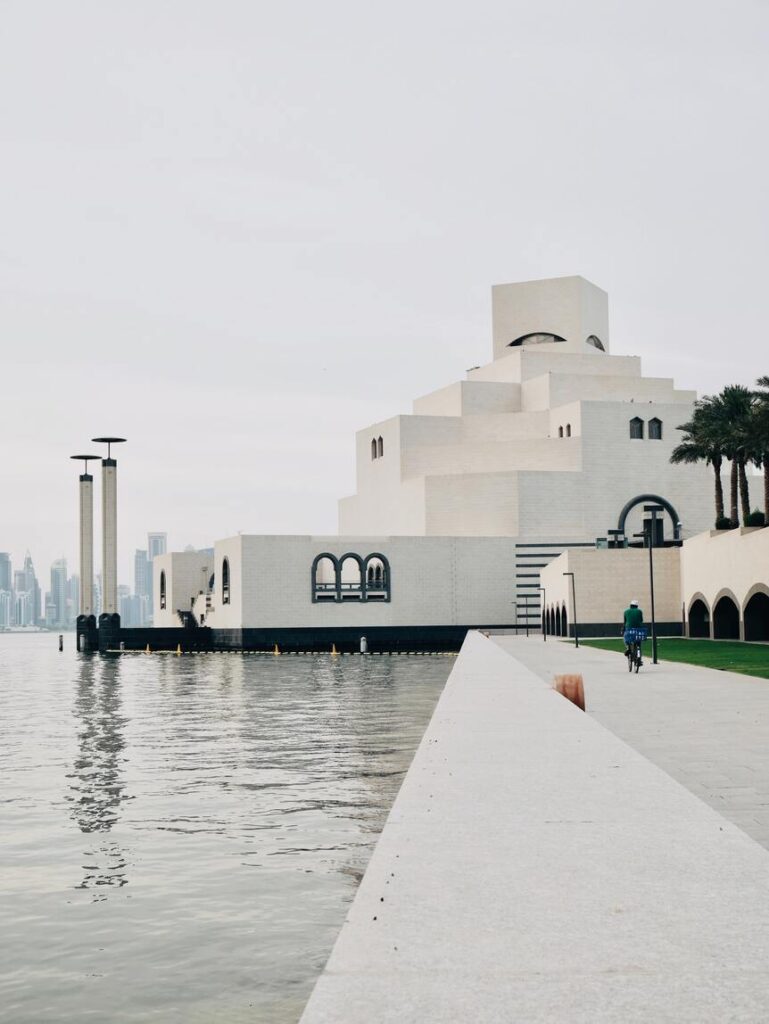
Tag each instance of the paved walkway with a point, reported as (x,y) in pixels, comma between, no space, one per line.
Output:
(535,868)
(709,730)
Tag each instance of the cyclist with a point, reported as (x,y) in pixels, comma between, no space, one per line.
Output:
(633,618)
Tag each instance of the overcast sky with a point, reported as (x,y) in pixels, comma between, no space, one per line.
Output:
(235,232)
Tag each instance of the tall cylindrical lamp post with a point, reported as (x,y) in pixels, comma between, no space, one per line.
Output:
(86,535)
(654,511)
(109,526)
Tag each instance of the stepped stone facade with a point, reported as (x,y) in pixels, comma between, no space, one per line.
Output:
(549,446)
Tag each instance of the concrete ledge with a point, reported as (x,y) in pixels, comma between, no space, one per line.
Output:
(536,868)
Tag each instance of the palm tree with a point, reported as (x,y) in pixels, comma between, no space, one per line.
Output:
(736,403)
(761,437)
(701,443)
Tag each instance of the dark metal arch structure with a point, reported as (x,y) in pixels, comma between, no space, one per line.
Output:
(651,499)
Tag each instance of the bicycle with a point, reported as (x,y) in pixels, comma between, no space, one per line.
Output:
(634,638)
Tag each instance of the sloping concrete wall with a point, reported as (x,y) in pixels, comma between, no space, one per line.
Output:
(536,868)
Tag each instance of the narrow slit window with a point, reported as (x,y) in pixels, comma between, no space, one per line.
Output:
(226,581)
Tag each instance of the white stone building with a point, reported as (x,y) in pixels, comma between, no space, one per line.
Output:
(460,504)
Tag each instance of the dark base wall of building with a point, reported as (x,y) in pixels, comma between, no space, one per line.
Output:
(379,639)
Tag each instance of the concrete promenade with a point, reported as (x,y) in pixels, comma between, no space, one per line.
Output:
(535,867)
(709,730)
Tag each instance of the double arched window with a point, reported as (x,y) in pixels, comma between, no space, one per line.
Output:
(637,429)
(162,589)
(350,577)
(226,581)
(377,447)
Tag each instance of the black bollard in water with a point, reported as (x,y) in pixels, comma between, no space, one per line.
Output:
(61,641)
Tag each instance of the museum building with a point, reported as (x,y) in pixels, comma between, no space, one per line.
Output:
(553,445)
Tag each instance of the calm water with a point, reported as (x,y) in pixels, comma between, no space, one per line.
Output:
(180,837)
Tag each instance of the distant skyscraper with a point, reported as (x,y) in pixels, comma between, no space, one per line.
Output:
(73,600)
(58,593)
(6,576)
(156,544)
(26,590)
(142,586)
(6,590)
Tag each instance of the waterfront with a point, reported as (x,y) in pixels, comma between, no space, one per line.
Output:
(182,836)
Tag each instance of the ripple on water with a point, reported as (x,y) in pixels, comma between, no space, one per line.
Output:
(181,836)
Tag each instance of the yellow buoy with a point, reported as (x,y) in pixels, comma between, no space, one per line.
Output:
(178,649)
(148,651)
(334,651)
(277,650)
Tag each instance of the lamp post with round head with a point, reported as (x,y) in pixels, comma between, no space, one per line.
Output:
(109,526)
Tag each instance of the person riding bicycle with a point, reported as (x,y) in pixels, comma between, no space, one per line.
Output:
(633,618)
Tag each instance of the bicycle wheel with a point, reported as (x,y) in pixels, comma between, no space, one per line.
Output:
(630,660)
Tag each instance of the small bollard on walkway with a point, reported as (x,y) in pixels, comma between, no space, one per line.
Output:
(571,687)
(61,641)
(363,645)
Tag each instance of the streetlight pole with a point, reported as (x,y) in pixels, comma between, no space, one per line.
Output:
(544,614)
(650,533)
(574,607)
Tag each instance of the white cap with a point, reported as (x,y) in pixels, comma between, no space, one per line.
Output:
(634,603)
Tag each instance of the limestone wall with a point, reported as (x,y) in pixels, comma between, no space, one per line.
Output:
(607,580)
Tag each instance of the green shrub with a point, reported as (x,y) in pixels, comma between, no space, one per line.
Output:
(724,523)
(756,518)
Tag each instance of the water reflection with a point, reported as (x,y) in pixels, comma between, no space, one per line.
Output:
(96,783)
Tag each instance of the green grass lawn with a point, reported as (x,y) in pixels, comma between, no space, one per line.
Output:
(728,655)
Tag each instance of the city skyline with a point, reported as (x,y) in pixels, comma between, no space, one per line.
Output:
(24,602)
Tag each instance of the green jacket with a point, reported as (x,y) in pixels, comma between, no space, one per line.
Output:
(634,618)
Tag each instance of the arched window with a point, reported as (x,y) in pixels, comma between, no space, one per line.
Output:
(568,429)
(726,620)
(377,578)
(162,589)
(655,429)
(637,428)
(351,578)
(373,448)
(325,571)
(558,622)
(595,341)
(564,623)
(560,431)
(379,447)
(226,581)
